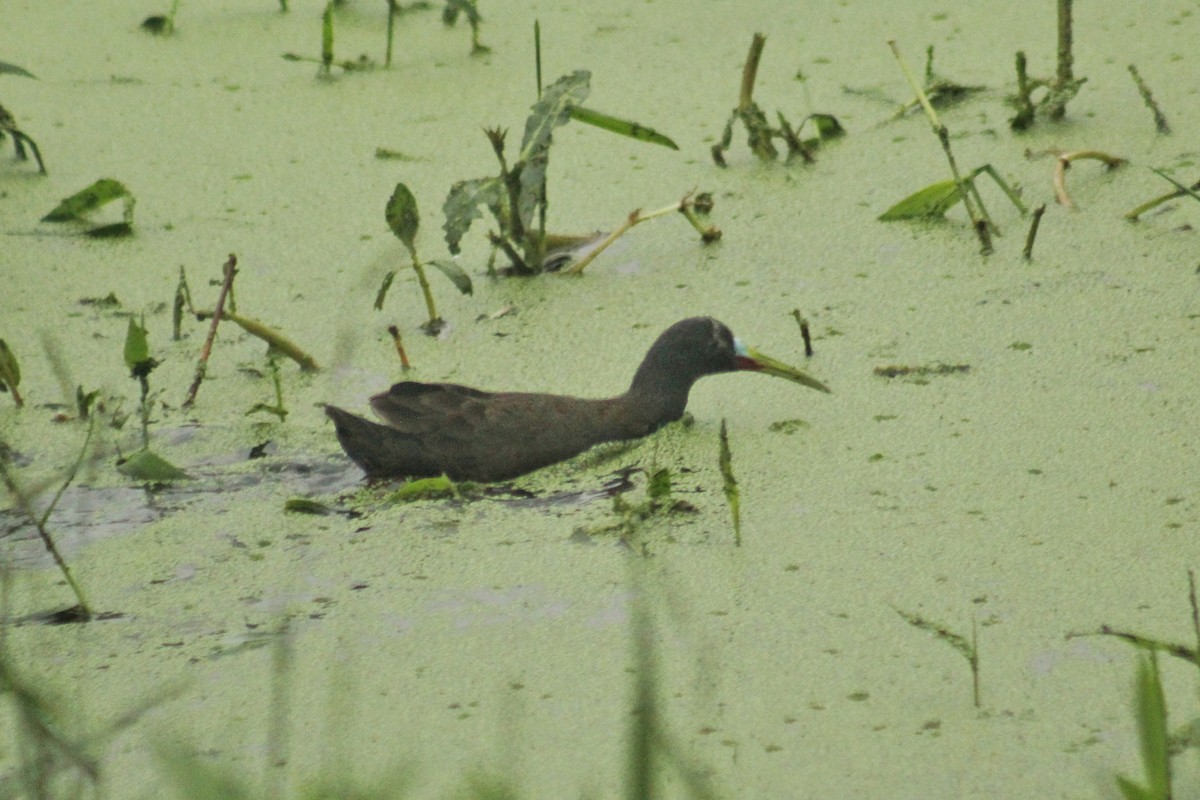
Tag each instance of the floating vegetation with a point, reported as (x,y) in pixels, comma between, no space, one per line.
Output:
(921,370)
(760,133)
(85,202)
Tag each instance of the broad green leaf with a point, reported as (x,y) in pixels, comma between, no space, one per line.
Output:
(402,217)
(932,201)
(10,370)
(87,200)
(146,465)
(137,348)
(13,69)
(460,279)
(462,207)
(623,127)
(552,110)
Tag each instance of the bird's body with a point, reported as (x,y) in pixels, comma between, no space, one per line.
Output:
(468,434)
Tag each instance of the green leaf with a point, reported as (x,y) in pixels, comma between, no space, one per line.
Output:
(10,370)
(145,465)
(402,217)
(460,279)
(381,295)
(303,505)
(87,200)
(1150,707)
(623,127)
(553,110)
(462,207)
(137,347)
(828,126)
(424,489)
(932,201)
(13,69)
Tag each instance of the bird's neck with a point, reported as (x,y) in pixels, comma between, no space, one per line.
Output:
(656,397)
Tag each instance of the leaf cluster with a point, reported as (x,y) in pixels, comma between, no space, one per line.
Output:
(516,196)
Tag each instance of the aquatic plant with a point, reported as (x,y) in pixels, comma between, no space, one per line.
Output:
(404,220)
(760,133)
(8,123)
(1059,90)
(79,206)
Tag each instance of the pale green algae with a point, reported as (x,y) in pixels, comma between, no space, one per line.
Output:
(1048,490)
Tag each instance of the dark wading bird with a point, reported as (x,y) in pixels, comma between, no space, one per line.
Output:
(468,434)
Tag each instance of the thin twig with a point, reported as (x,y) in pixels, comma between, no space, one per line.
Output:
(202,365)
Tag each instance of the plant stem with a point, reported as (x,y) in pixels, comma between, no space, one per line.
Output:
(1066,60)
(391,29)
(750,72)
(943,135)
(144,382)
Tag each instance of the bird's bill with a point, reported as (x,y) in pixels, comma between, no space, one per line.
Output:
(750,359)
